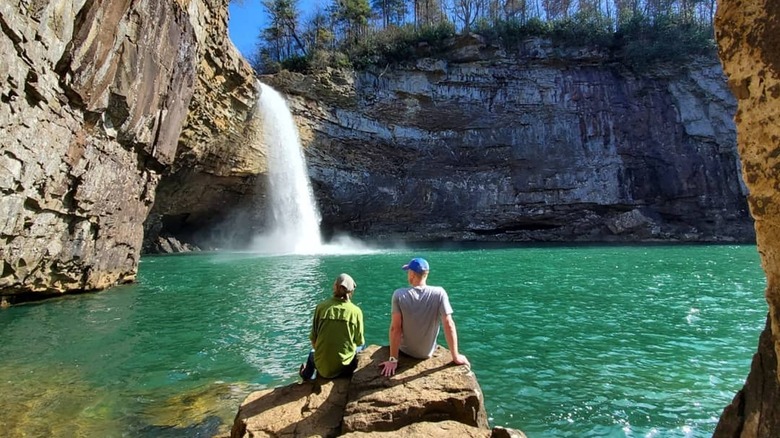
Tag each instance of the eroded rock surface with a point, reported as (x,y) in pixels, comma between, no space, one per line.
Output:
(94,94)
(425,398)
(524,146)
(479,144)
(311,409)
(747,35)
(429,390)
(93,97)
(214,177)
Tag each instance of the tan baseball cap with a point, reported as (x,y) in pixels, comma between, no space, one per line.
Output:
(346,281)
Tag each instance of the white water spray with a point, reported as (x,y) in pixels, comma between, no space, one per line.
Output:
(294,221)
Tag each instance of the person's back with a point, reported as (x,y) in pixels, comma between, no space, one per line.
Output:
(421,308)
(336,333)
(414,324)
(338,328)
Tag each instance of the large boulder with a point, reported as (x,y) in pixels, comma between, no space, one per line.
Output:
(747,34)
(424,398)
(311,409)
(442,429)
(420,391)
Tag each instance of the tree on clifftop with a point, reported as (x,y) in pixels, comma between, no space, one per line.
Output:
(353,16)
(280,40)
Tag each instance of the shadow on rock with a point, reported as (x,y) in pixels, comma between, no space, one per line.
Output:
(431,397)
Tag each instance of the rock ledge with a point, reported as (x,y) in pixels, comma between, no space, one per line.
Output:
(425,398)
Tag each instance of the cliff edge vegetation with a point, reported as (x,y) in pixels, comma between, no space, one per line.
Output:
(356,34)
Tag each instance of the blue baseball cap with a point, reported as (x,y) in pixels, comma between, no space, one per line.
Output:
(418,265)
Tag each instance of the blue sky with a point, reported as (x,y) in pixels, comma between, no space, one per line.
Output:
(247,18)
(244,23)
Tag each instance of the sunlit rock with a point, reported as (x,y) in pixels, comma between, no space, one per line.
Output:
(747,34)
(92,100)
(425,398)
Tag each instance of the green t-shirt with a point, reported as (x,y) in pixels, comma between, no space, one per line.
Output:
(336,333)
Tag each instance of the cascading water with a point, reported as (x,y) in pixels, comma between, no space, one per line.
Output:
(294,221)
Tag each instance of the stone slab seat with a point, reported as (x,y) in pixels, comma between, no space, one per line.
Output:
(425,398)
(421,391)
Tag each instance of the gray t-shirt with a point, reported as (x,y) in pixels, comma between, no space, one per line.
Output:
(421,309)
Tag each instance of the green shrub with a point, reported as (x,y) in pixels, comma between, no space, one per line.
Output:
(399,43)
(297,63)
(510,33)
(642,41)
(582,29)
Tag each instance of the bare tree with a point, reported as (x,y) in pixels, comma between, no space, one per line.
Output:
(466,12)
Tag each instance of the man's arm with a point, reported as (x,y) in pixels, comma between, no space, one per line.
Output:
(396,334)
(451,334)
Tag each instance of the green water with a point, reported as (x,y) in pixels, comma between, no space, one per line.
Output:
(565,341)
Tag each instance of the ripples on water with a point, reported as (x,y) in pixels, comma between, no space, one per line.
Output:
(566,342)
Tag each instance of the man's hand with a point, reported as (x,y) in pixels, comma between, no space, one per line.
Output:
(461,360)
(388,368)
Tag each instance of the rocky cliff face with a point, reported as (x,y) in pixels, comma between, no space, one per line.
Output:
(747,36)
(213,178)
(537,144)
(93,95)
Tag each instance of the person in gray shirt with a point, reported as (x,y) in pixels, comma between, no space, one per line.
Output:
(416,312)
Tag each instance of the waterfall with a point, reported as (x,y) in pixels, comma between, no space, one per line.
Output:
(293,221)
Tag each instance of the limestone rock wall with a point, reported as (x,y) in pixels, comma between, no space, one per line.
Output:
(218,161)
(747,34)
(93,96)
(93,99)
(482,144)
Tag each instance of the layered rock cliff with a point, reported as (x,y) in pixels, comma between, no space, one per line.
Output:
(93,95)
(747,36)
(218,161)
(481,144)
(535,144)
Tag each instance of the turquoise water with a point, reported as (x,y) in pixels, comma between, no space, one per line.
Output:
(601,341)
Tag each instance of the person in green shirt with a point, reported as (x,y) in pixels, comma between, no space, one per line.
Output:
(336,334)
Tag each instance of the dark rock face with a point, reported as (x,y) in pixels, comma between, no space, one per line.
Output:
(93,96)
(747,38)
(524,146)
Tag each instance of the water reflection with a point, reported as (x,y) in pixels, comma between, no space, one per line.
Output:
(278,308)
(590,344)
